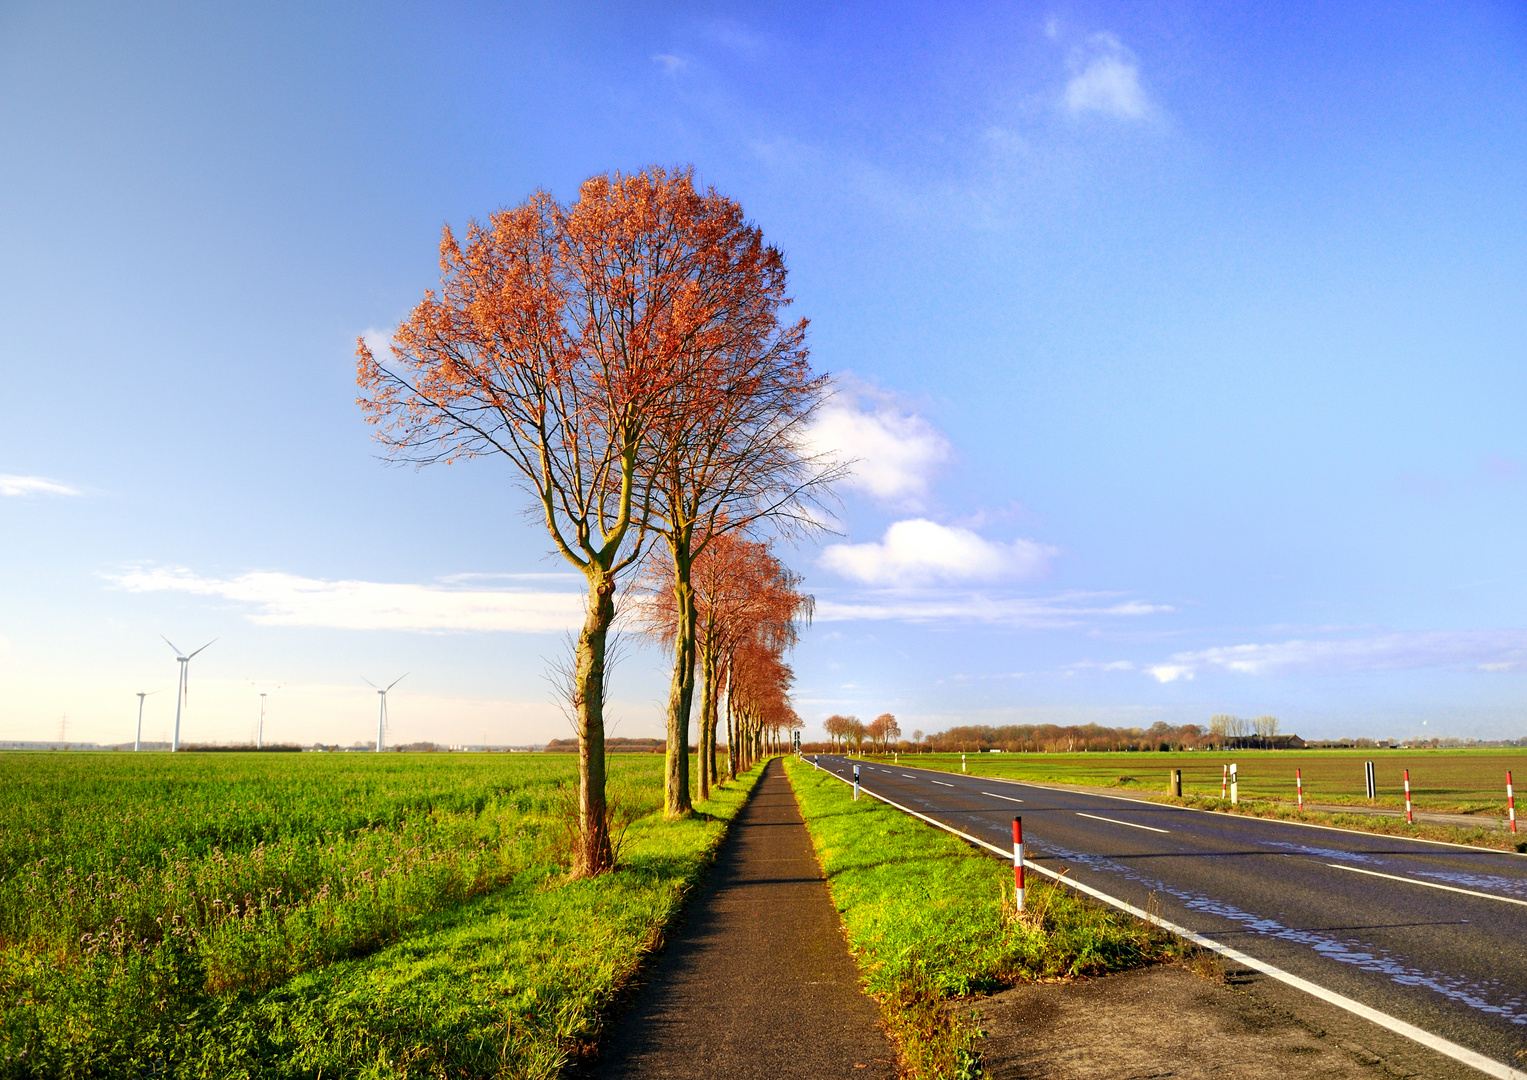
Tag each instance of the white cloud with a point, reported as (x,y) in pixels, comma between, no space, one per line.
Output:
(1467,650)
(670,63)
(1064,610)
(918,551)
(1107,81)
(894,452)
(379,342)
(288,600)
(11,484)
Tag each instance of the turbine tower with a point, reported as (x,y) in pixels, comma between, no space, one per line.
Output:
(138,738)
(381,713)
(260,728)
(184,687)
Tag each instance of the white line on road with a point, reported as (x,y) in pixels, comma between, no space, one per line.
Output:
(1429,884)
(1486,1065)
(1009,798)
(940,783)
(909,776)
(1116,821)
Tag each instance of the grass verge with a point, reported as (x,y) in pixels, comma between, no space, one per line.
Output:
(510,981)
(1383,825)
(930,918)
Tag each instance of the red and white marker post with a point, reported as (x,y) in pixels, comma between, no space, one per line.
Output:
(1299,786)
(1018,861)
(1224,781)
(1409,820)
(1510,801)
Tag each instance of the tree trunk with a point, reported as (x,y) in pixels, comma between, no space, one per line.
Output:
(707,757)
(733,747)
(681,693)
(594,854)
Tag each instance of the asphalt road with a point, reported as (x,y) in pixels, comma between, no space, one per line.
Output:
(1310,901)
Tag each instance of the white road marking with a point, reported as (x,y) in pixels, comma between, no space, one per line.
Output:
(1009,798)
(1474,1059)
(1116,821)
(1429,884)
(909,776)
(940,783)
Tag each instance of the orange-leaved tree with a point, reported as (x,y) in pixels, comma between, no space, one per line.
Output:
(742,593)
(557,341)
(730,456)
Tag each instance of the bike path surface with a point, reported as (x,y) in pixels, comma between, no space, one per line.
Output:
(1371,917)
(758,982)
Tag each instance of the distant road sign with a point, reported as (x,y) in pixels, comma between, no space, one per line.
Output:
(795,741)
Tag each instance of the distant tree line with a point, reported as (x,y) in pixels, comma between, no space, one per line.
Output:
(884,734)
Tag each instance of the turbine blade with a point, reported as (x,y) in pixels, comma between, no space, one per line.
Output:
(171,644)
(399,679)
(199,650)
(369,683)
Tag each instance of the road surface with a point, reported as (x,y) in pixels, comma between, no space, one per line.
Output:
(1432,935)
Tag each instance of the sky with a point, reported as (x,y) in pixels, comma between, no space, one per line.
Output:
(1180,349)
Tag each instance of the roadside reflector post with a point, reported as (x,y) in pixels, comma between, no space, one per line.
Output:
(1369,780)
(1409,820)
(1018,862)
(1224,781)
(1174,785)
(962,761)
(1299,786)
(1510,801)
(856,783)
(1235,787)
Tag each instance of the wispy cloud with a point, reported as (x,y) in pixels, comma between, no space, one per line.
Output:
(1063,610)
(918,552)
(10,484)
(671,63)
(895,452)
(1467,650)
(278,599)
(1106,81)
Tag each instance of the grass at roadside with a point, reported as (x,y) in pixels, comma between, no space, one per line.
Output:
(1447,780)
(929,918)
(419,921)
(1478,836)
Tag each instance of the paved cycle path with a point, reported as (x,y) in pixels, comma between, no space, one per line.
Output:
(758,982)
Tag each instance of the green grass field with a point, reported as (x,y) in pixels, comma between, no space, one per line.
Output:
(243,915)
(1461,781)
(929,917)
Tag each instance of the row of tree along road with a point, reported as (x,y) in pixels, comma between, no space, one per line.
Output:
(628,357)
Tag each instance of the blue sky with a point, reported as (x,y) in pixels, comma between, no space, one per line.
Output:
(1181,349)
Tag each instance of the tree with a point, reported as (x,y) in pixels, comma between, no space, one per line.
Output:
(917,738)
(729,455)
(890,730)
(741,592)
(557,341)
(1266,727)
(854,731)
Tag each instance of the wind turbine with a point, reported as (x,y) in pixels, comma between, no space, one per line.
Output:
(260,730)
(183,689)
(381,715)
(138,738)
